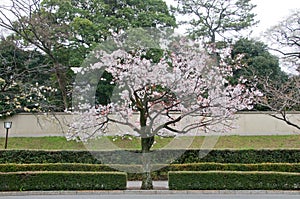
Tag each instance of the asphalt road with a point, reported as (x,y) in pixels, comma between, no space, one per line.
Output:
(158,196)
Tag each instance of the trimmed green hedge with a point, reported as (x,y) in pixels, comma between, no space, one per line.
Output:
(28,181)
(134,171)
(230,180)
(280,167)
(241,156)
(55,167)
(35,156)
(69,167)
(160,172)
(163,156)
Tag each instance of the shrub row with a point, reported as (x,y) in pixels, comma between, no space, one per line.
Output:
(37,156)
(157,157)
(241,156)
(230,180)
(134,171)
(160,172)
(55,167)
(26,181)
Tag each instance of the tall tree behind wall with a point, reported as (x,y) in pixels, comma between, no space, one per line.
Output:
(65,31)
(22,80)
(212,20)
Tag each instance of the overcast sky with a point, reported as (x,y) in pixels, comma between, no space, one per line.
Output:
(270,12)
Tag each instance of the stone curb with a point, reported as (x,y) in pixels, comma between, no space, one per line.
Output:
(148,192)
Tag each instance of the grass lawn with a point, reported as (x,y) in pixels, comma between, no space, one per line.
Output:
(223,142)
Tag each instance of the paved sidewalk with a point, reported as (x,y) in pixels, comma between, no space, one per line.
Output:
(157,185)
(152,192)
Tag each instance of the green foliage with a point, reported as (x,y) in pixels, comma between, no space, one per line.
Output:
(160,172)
(131,169)
(154,54)
(240,156)
(27,181)
(233,180)
(105,89)
(24,84)
(35,156)
(67,31)
(280,167)
(259,62)
(211,19)
(100,19)
(188,156)
(55,167)
(93,21)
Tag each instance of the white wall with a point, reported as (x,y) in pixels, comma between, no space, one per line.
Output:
(248,123)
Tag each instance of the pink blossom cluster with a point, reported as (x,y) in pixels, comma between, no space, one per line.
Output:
(186,83)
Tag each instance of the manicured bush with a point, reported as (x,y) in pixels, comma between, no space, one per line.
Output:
(68,167)
(36,156)
(26,181)
(233,180)
(240,156)
(160,172)
(55,167)
(134,171)
(162,156)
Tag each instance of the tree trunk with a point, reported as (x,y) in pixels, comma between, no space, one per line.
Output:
(147,179)
(62,83)
(147,141)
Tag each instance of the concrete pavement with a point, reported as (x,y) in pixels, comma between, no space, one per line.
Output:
(157,185)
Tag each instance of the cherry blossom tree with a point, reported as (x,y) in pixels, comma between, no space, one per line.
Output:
(282,97)
(186,84)
(284,39)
